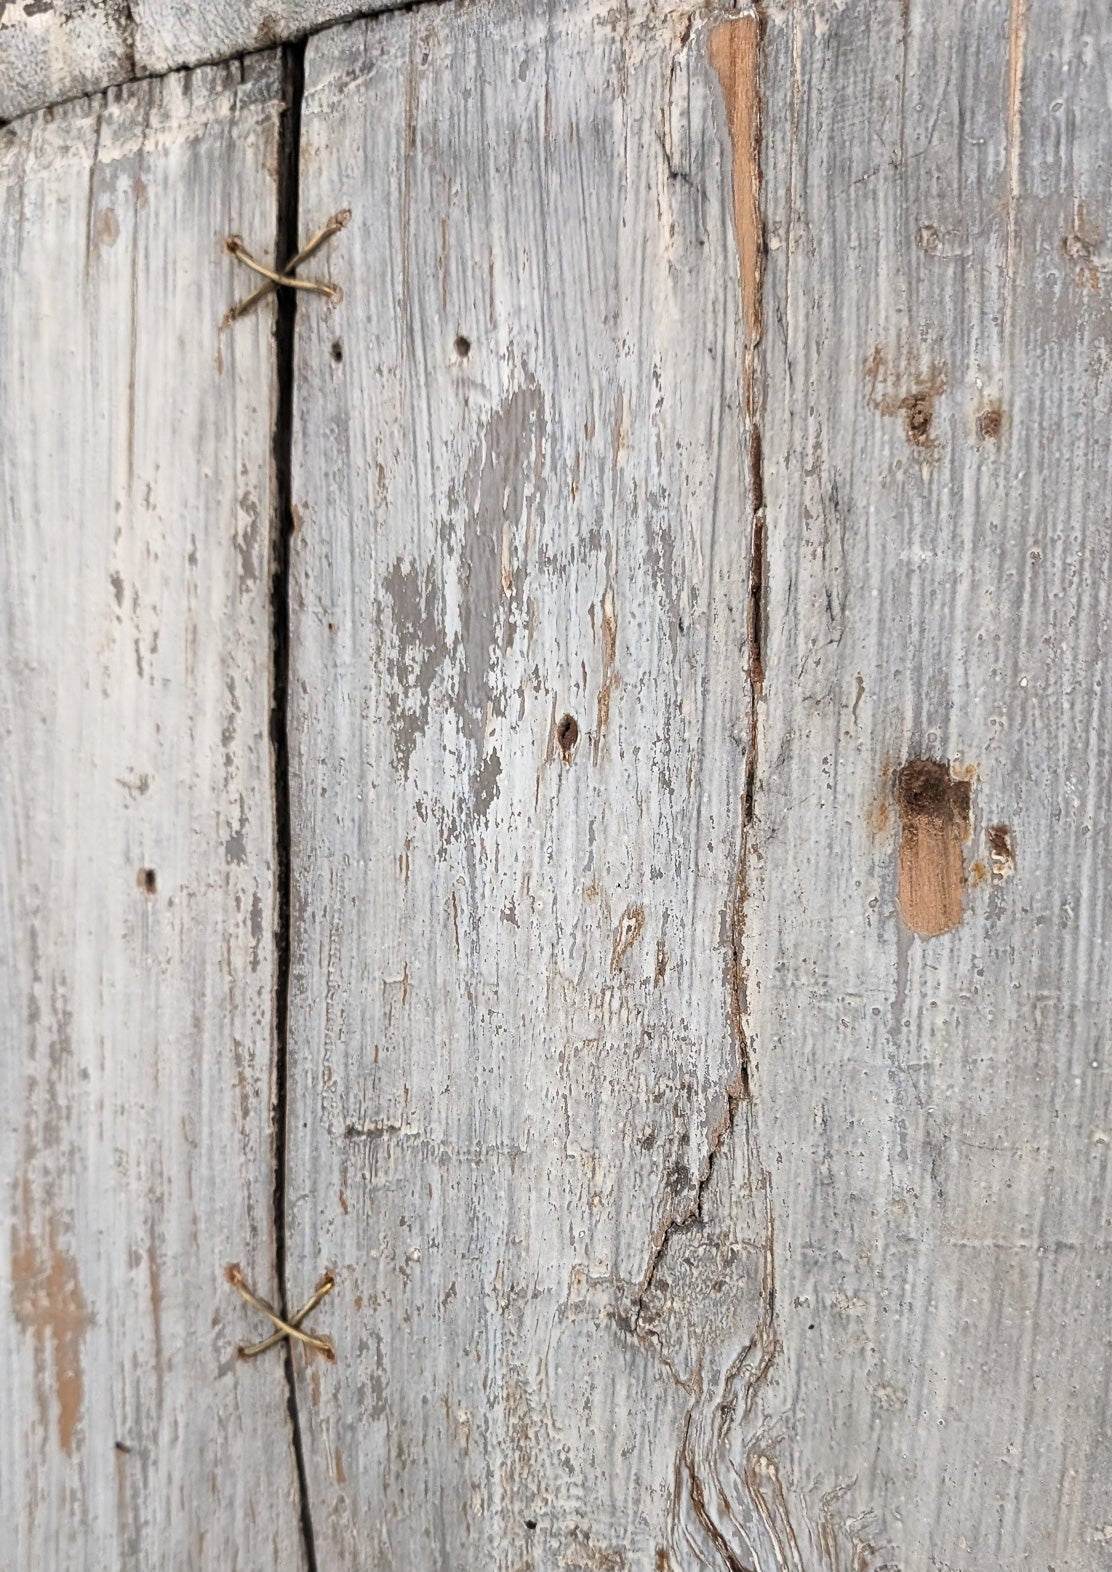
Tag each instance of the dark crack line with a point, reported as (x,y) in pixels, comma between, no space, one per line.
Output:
(739,1090)
(698,1501)
(286,242)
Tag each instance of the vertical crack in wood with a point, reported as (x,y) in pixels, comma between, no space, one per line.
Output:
(289,140)
(734,53)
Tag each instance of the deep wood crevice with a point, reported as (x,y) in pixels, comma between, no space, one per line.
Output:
(286,244)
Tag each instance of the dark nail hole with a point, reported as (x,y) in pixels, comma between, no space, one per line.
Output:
(122,1446)
(530,1523)
(147,880)
(463,347)
(918,413)
(337,351)
(567,735)
(990,423)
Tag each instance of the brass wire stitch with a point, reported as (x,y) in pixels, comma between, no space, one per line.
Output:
(285,280)
(284,1329)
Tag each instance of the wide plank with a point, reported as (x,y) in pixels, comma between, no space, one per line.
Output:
(520,714)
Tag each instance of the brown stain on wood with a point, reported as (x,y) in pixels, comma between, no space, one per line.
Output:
(733,52)
(1081,246)
(1001,850)
(610,676)
(914,404)
(878,812)
(934,829)
(47,1302)
(627,934)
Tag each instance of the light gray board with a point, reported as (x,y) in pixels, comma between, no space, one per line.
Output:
(511,1040)
(55,50)
(136,1045)
(935,1114)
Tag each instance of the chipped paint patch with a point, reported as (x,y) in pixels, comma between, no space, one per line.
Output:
(47,1302)
(934,828)
(420,649)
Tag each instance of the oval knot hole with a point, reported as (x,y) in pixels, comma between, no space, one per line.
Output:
(567,735)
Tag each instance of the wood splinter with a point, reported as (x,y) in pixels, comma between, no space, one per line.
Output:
(284,1329)
(285,278)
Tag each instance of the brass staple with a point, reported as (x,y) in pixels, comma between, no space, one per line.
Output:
(234,247)
(283,1329)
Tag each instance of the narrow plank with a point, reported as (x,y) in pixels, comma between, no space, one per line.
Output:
(933,1099)
(520,715)
(136,888)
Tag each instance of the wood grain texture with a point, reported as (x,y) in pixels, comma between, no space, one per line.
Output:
(520,715)
(698,1075)
(52,50)
(934,1112)
(876,1334)
(136,1052)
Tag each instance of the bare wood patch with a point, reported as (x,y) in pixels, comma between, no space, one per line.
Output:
(934,822)
(733,50)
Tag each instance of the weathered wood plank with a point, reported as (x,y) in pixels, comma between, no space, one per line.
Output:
(520,713)
(934,1111)
(52,50)
(136,1052)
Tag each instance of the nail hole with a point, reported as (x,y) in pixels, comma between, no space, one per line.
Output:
(530,1523)
(463,347)
(990,423)
(122,1446)
(918,414)
(337,351)
(567,735)
(147,880)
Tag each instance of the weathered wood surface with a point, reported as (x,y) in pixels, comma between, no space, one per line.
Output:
(520,712)
(867,1344)
(52,50)
(935,1112)
(136,1032)
(698,609)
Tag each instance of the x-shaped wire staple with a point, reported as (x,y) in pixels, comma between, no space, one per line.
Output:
(284,280)
(284,1329)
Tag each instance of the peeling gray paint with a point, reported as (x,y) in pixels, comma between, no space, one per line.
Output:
(420,650)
